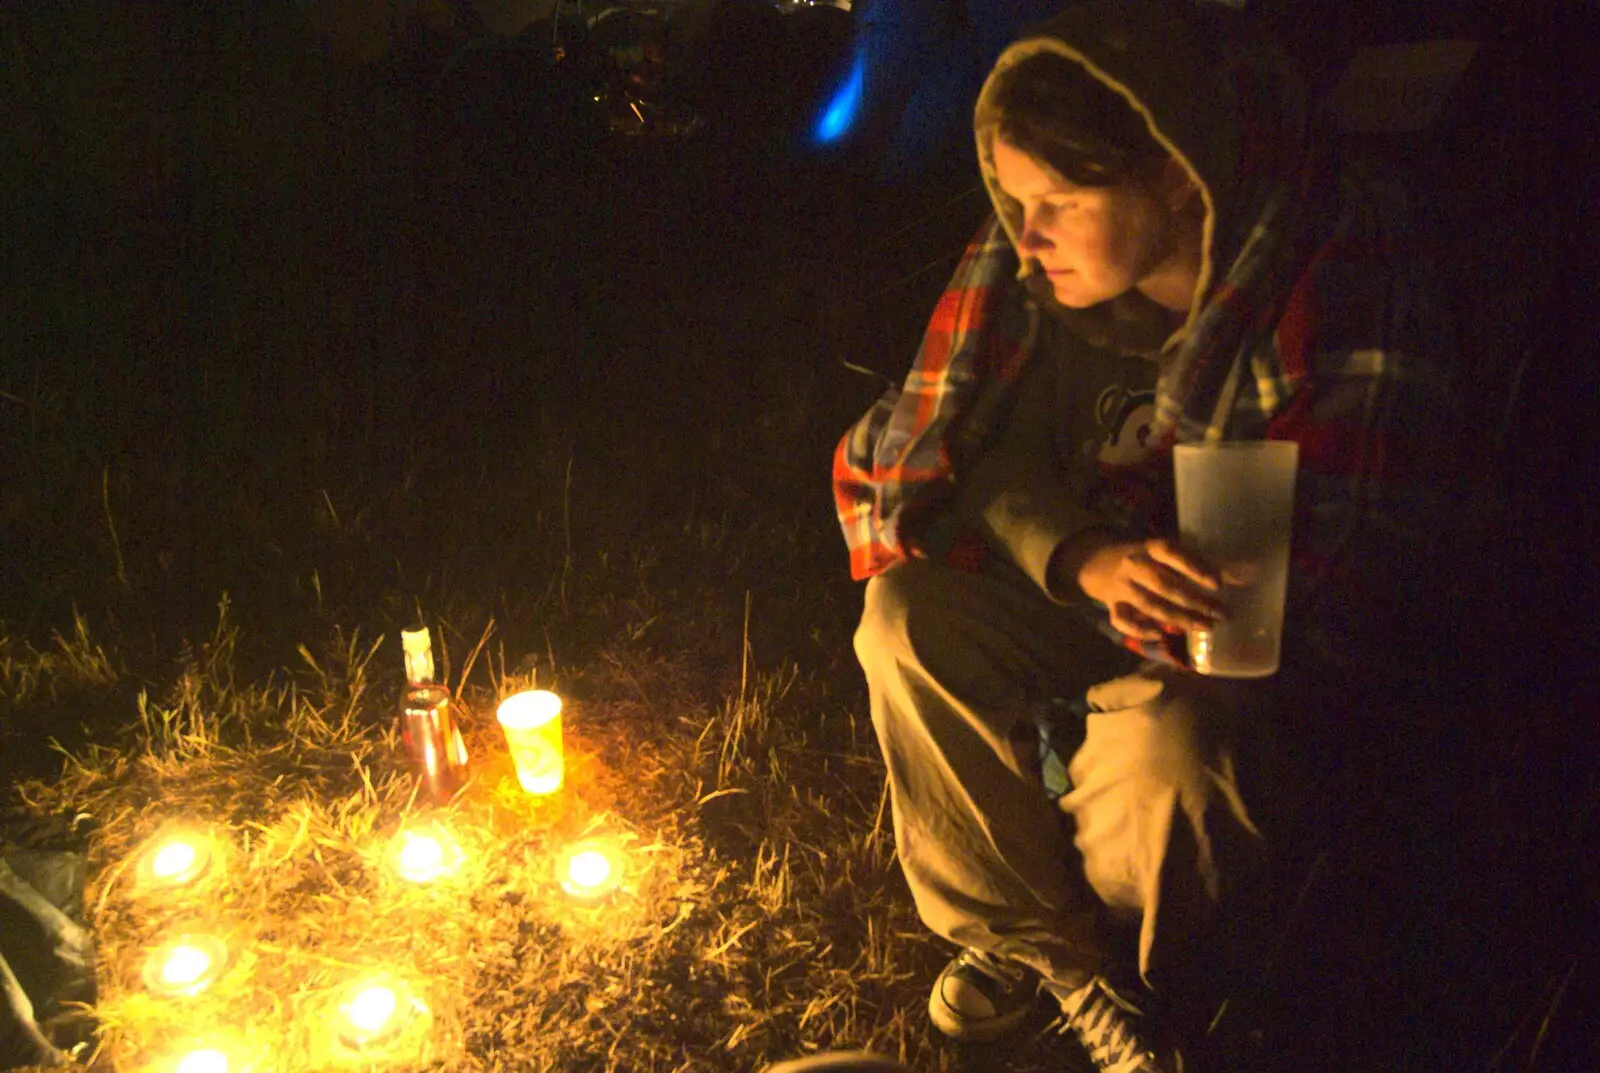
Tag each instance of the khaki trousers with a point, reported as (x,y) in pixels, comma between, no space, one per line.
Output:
(1127,868)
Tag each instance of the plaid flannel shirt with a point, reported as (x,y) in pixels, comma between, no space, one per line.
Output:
(1326,329)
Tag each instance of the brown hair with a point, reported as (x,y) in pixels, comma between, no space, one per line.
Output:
(1052,109)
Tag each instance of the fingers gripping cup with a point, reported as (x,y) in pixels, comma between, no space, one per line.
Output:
(531,721)
(1235,508)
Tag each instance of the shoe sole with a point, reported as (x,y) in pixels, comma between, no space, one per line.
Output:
(841,1062)
(964,1031)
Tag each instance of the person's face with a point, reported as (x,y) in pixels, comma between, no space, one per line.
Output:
(1093,242)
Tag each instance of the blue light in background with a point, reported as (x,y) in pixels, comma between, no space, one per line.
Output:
(841,112)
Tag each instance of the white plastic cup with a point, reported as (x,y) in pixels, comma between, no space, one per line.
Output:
(531,721)
(1235,510)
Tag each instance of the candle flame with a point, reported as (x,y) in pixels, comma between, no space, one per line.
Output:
(426,853)
(420,853)
(185,965)
(589,869)
(372,1008)
(377,1014)
(208,1060)
(174,856)
(173,859)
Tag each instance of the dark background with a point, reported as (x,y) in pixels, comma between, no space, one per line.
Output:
(339,335)
(236,257)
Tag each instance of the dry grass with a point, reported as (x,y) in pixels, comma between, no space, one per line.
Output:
(69,665)
(762,914)
(759,915)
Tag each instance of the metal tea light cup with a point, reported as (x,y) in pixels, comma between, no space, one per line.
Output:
(531,721)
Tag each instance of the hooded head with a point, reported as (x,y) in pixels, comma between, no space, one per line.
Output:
(1110,141)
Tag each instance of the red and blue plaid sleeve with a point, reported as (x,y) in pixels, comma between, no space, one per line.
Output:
(894,461)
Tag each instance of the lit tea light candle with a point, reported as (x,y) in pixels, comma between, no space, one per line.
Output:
(374,1012)
(531,721)
(590,870)
(210,1054)
(420,857)
(371,1012)
(205,1060)
(175,858)
(186,965)
(426,853)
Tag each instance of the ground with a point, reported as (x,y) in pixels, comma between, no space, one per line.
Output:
(296,353)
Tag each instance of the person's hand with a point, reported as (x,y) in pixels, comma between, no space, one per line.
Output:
(1151,587)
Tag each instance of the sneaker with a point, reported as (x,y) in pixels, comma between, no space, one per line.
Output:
(979,996)
(1114,1031)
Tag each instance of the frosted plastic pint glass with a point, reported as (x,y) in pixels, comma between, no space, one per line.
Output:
(1235,508)
(531,721)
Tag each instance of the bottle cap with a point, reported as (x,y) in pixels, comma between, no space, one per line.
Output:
(418,648)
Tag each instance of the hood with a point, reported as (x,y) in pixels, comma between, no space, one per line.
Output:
(1212,91)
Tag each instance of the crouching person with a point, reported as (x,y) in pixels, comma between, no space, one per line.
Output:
(1171,260)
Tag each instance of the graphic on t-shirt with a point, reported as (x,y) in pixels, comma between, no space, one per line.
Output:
(1126,417)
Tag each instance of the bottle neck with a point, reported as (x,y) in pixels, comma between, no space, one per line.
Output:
(419,668)
(418,649)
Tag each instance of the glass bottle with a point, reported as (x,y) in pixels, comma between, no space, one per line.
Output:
(427,723)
